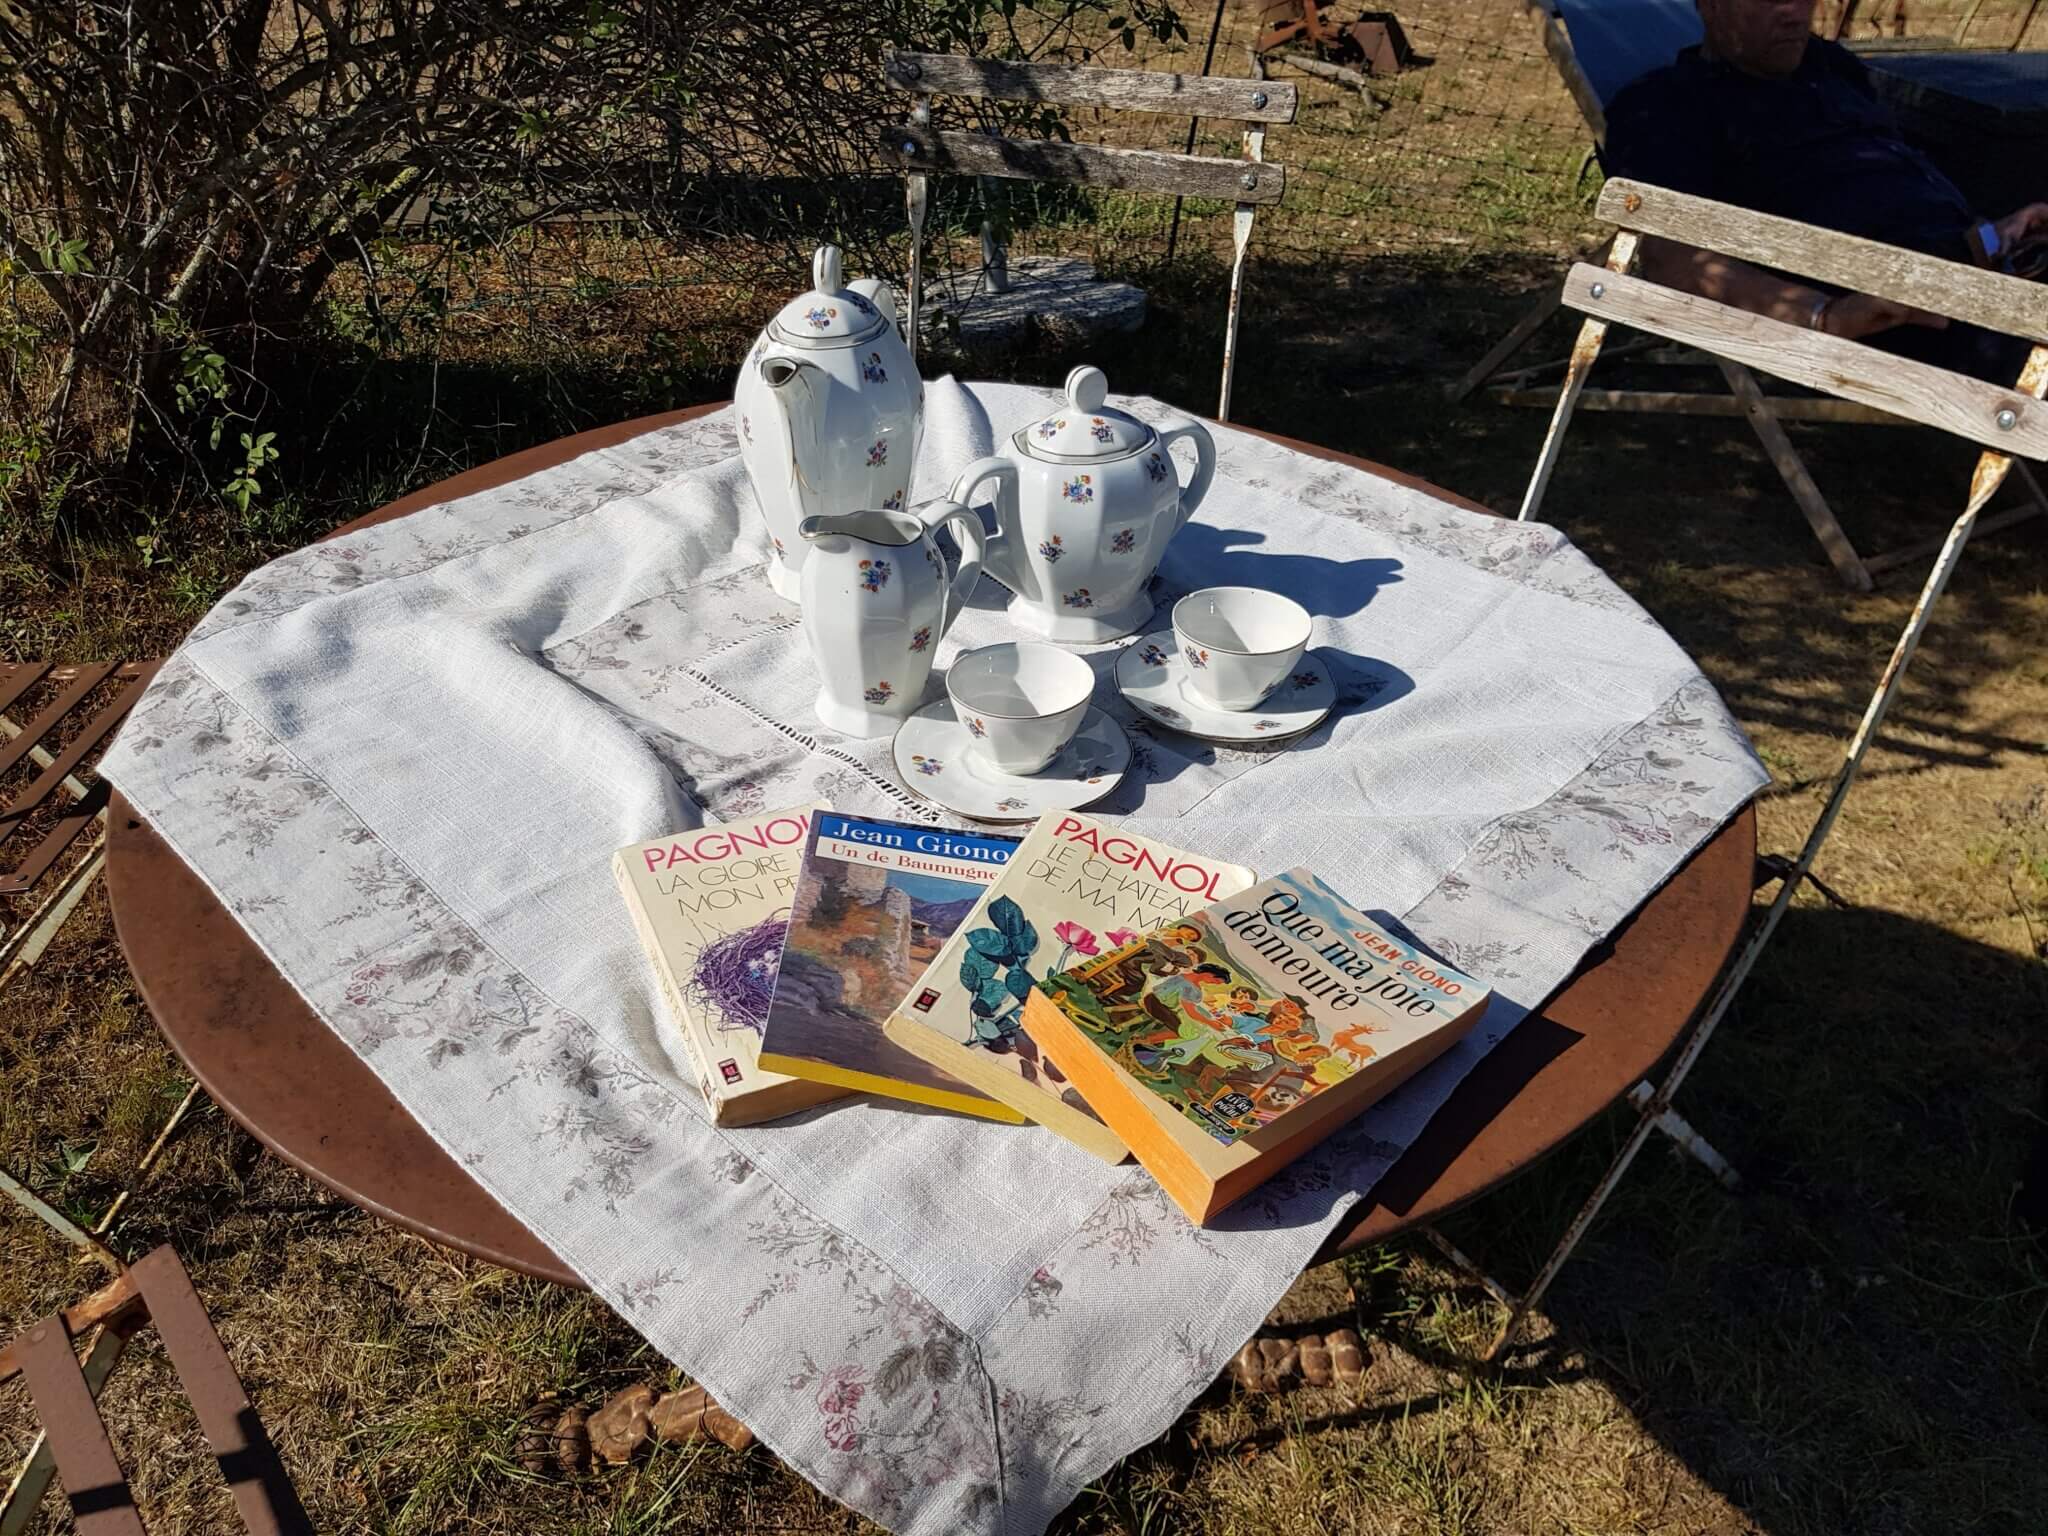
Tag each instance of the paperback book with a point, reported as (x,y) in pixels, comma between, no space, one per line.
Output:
(1225,1045)
(1075,888)
(711,907)
(874,903)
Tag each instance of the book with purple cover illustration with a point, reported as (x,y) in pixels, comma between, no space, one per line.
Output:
(1230,1042)
(711,906)
(1075,887)
(874,903)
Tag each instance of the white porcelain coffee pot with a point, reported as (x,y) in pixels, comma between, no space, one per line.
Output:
(830,411)
(876,602)
(1086,502)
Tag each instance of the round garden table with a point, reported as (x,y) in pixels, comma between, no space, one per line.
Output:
(298,1088)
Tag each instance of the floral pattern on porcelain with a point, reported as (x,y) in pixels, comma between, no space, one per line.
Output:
(1303,680)
(872,370)
(1078,598)
(881,693)
(874,575)
(1124,542)
(1197,658)
(1052,549)
(879,454)
(893,502)
(1155,466)
(1011,803)
(929,766)
(975,728)
(1100,430)
(922,638)
(1153,655)
(1080,490)
(822,316)
(1050,428)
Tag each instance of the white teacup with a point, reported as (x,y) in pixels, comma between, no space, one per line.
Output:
(1021,701)
(1237,643)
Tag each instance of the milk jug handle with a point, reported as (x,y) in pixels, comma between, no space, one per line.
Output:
(967,533)
(1205,466)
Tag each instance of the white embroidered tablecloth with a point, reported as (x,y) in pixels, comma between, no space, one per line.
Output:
(403,759)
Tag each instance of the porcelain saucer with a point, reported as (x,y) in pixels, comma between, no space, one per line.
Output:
(936,760)
(1153,677)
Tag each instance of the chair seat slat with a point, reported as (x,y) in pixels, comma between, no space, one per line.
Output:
(1994,300)
(1934,397)
(921,149)
(1130,90)
(101,1504)
(263,1494)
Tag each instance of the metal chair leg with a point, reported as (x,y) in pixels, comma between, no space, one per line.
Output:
(1991,472)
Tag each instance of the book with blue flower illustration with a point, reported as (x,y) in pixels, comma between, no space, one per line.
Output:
(1076,887)
(711,906)
(1226,1045)
(874,902)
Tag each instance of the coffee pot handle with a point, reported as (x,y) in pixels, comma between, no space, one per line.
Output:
(1205,466)
(967,533)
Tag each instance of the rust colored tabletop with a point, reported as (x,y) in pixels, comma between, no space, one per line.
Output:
(293,1083)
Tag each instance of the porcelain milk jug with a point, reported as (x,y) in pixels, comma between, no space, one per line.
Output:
(830,411)
(876,600)
(1086,502)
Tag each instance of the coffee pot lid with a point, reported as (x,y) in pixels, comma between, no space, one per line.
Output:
(830,314)
(1085,428)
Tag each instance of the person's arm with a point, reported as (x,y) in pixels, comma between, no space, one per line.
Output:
(1737,283)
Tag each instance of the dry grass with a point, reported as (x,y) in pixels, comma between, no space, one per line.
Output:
(1854,1344)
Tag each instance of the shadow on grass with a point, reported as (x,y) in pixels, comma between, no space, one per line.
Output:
(1852,1342)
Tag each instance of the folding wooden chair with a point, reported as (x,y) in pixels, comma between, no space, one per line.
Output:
(1598,47)
(154,1289)
(2009,423)
(923,150)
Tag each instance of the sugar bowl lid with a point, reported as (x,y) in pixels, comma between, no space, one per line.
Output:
(831,314)
(1085,428)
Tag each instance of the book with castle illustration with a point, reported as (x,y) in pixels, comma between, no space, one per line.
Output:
(711,906)
(1075,887)
(874,903)
(1225,1045)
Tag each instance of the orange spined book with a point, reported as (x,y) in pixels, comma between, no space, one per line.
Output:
(1224,1046)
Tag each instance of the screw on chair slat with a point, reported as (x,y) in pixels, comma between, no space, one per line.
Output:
(17,677)
(87,679)
(101,1504)
(110,715)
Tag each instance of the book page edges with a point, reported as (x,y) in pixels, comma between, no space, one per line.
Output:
(891,1087)
(1034,1103)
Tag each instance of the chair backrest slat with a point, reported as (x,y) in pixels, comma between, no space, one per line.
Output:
(1967,407)
(1989,299)
(919,149)
(101,1504)
(1129,90)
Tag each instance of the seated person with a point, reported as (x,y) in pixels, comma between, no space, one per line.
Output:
(1767,116)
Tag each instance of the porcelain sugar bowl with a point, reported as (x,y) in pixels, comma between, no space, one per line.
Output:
(1086,501)
(830,411)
